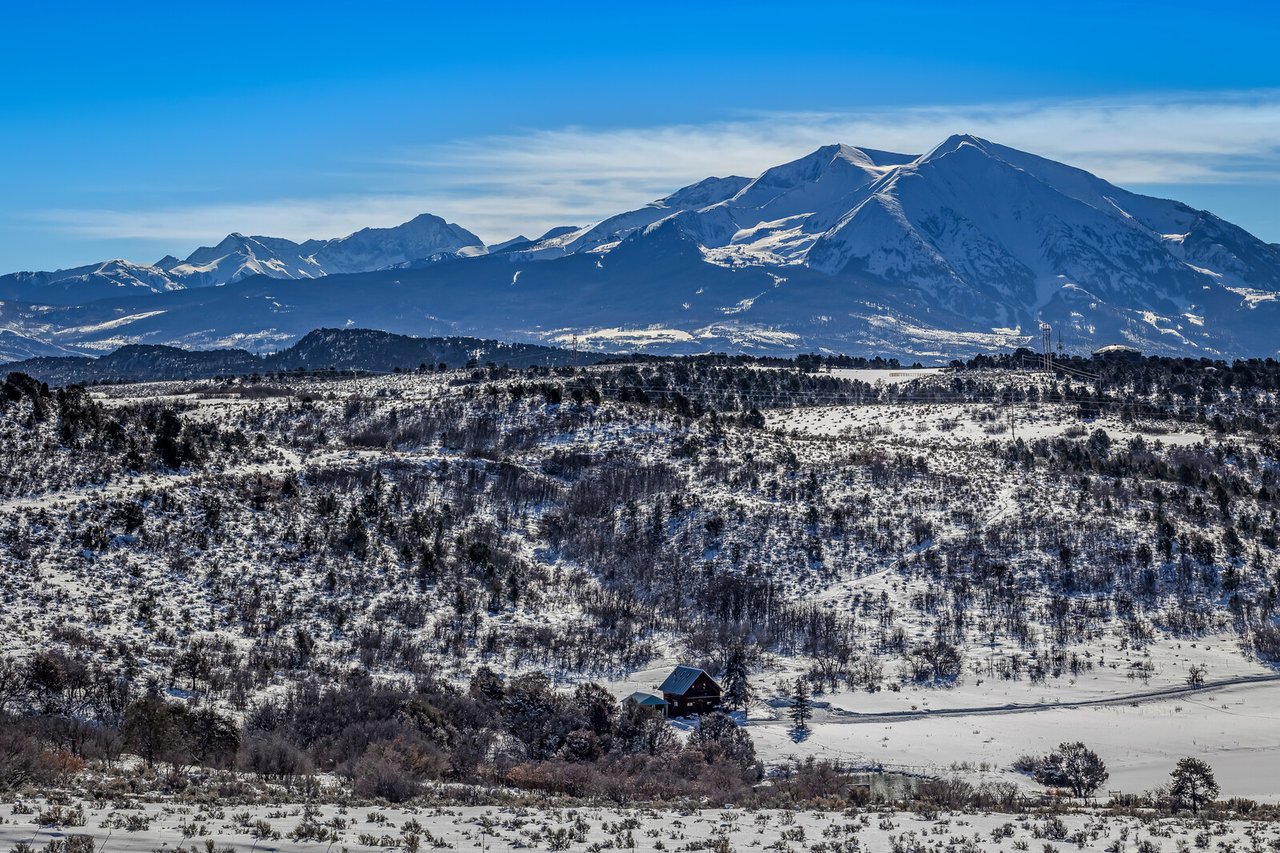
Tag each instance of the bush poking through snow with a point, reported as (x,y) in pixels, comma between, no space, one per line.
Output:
(1073,766)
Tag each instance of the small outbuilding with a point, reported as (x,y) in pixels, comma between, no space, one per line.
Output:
(646,700)
(689,691)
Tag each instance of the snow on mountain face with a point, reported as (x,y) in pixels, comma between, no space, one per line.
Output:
(965,248)
(420,238)
(615,228)
(17,347)
(999,237)
(772,219)
(91,282)
(237,257)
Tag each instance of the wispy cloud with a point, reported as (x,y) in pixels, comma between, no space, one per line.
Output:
(500,185)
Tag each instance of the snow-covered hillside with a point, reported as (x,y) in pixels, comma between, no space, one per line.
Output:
(957,567)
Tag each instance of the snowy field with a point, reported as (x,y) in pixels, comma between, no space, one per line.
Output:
(959,425)
(1234,729)
(296,827)
(888,377)
(979,728)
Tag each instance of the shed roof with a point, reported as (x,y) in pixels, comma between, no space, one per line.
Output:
(641,698)
(681,679)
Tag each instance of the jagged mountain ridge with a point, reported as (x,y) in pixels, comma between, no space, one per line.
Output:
(965,248)
(322,349)
(423,238)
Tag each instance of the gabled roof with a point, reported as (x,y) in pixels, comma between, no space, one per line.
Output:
(647,699)
(681,679)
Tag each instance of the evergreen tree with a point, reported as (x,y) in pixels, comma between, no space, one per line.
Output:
(737,687)
(717,735)
(801,709)
(1193,784)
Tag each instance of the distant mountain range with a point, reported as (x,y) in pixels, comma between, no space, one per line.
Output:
(423,239)
(364,350)
(968,247)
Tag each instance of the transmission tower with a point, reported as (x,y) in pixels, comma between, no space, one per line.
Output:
(1046,340)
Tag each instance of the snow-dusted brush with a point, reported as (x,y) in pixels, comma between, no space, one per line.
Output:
(917,587)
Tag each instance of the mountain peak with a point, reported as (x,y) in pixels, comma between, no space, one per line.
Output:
(424,238)
(956,142)
(704,192)
(964,246)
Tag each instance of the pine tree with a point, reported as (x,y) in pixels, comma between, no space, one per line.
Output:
(1193,784)
(737,687)
(801,710)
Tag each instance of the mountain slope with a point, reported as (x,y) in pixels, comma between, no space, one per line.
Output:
(560,242)
(968,247)
(87,283)
(425,237)
(422,239)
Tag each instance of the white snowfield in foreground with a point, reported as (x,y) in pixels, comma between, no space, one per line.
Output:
(266,828)
(1235,730)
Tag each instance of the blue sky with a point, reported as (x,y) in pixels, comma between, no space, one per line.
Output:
(137,129)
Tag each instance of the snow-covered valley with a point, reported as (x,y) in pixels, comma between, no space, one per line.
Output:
(382,588)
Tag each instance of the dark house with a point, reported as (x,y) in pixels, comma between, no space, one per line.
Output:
(689,691)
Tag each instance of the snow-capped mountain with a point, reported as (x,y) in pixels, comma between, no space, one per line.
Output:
(238,256)
(967,247)
(422,239)
(566,241)
(1000,237)
(92,281)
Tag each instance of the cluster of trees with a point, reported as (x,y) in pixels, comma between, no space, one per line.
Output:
(52,440)
(1075,767)
(1234,398)
(390,738)
(1072,766)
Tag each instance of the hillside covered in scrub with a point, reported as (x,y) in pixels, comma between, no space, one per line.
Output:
(455,576)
